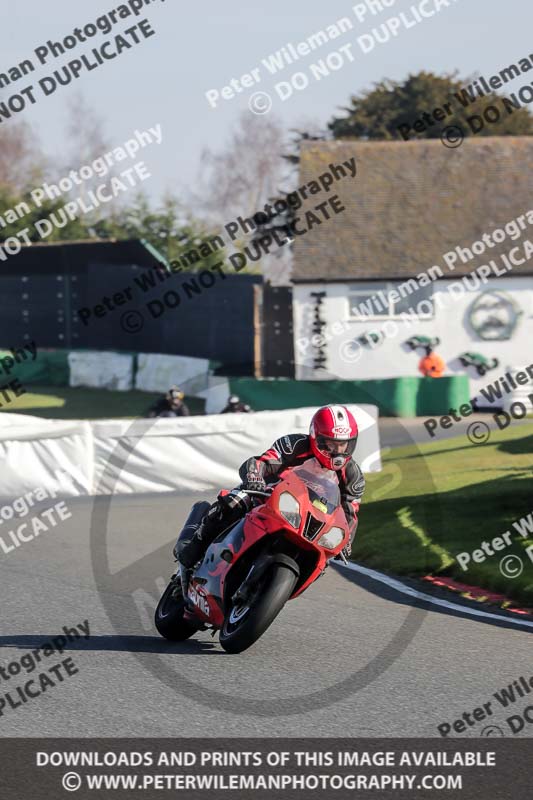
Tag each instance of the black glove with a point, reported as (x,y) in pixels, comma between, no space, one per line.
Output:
(254,481)
(235,500)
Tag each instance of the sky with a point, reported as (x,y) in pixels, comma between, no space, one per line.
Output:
(199,47)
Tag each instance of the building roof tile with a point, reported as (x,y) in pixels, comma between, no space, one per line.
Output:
(410,203)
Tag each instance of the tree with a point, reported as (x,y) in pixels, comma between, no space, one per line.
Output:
(379,112)
(238,179)
(75,229)
(169,229)
(22,162)
(85,133)
(277,266)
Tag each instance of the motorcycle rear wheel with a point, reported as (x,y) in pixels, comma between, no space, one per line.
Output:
(169,619)
(244,624)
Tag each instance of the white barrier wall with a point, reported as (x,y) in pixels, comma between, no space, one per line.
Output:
(216,394)
(54,455)
(157,373)
(101,370)
(188,454)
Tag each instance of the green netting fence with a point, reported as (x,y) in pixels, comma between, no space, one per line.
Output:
(395,397)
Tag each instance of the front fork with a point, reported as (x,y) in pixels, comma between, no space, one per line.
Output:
(256,572)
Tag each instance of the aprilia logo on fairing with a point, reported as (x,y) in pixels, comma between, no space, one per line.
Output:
(199,600)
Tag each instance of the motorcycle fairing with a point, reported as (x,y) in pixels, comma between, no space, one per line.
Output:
(207,585)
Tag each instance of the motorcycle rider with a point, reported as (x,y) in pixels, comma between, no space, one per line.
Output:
(332,439)
(171,405)
(236,406)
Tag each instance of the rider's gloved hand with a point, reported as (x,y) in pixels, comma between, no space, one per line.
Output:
(254,481)
(235,501)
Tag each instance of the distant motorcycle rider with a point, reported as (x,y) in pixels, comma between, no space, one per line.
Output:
(171,405)
(236,406)
(332,439)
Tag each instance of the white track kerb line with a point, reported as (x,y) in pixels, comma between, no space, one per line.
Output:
(400,587)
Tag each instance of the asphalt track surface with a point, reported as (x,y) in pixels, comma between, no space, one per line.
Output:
(395,432)
(350,658)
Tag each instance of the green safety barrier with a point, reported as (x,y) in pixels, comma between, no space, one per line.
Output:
(395,397)
(50,367)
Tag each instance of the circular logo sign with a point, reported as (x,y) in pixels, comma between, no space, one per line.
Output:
(494,316)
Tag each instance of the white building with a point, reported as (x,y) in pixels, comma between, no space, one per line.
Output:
(432,242)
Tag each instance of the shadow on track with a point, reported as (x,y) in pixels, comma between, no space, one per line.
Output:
(389,593)
(120,644)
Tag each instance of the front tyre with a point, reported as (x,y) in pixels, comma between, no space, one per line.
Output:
(244,623)
(169,619)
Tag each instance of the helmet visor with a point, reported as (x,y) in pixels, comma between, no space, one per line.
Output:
(336,447)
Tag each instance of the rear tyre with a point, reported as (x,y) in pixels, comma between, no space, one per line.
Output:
(244,624)
(169,619)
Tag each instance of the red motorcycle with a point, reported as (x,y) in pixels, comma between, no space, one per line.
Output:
(270,556)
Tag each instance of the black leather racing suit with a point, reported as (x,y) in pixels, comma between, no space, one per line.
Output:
(236,408)
(164,408)
(293,450)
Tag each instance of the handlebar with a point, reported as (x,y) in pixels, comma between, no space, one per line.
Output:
(257,493)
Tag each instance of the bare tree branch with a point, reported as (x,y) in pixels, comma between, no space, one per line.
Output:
(22,162)
(239,179)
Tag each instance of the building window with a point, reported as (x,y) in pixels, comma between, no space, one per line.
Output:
(390,300)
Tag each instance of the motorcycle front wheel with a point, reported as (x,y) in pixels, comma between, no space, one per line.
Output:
(169,619)
(245,623)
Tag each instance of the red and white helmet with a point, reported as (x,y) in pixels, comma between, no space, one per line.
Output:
(333,433)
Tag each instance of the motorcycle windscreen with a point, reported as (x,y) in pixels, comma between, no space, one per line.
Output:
(322,485)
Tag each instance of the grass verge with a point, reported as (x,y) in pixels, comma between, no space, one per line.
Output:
(58,402)
(433,501)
